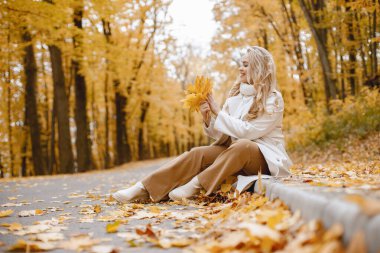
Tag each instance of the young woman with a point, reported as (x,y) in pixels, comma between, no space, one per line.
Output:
(248,134)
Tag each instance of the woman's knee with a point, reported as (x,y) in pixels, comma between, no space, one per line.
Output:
(197,150)
(244,144)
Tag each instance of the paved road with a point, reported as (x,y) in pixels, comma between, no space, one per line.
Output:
(63,194)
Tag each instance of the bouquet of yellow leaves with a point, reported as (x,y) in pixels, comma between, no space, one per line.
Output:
(196,93)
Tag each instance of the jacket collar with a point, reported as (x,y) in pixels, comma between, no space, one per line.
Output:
(247,89)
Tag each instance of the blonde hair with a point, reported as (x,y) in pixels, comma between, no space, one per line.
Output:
(261,74)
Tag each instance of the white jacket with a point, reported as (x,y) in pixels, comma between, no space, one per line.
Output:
(265,130)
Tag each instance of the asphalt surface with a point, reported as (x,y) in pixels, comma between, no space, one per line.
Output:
(66,195)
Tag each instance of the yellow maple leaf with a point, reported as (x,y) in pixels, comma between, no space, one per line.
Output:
(97,209)
(196,93)
(275,219)
(154,209)
(225,187)
(190,89)
(112,227)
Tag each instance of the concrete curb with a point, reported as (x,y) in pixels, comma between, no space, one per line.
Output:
(330,208)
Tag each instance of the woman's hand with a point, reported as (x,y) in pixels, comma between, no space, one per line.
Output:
(214,107)
(205,111)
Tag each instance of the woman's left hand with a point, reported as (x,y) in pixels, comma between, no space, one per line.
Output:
(214,107)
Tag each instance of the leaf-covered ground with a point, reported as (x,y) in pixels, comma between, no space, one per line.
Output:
(349,166)
(76,213)
(208,224)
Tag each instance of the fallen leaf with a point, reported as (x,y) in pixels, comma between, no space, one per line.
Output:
(14,226)
(97,209)
(154,209)
(27,213)
(33,229)
(28,246)
(142,214)
(275,219)
(137,206)
(12,204)
(5,213)
(334,232)
(112,227)
(79,242)
(233,239)
(181,243)
(107,218)
(225,187)
(104,249)
(148,232)
(128,235)
(261,231)
(46,237)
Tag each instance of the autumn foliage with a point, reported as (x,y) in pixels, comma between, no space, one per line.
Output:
(89,85)
(197,93)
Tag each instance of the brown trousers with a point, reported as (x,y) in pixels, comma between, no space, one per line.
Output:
(212,164)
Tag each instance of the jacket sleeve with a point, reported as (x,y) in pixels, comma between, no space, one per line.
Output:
(210,130)
(255,128)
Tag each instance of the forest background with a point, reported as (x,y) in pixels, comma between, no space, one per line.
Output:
(89,85)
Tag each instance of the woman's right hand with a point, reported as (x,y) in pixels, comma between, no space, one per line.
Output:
(205,111)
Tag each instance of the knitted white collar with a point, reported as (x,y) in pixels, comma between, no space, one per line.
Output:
(247,89)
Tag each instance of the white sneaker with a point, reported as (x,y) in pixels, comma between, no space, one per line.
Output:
(186,191)
(135,192)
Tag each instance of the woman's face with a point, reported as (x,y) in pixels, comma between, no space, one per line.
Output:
(243,69)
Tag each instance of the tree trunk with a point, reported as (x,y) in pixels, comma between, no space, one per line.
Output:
(66,158)
(107,158)
(24,148)
(176,137)
(297,48)
(143,151)
(45,136)
(9,116)
(107,34)
(374,44)
(191,133)
(123,148)
(52,161)
(1,168)
(320,38)
(361,51)
(351,49)
(83,146)
(343,85)
(30,68)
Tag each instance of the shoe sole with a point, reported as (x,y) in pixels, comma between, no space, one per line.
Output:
(175,198)
(118,199)
(130,201)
